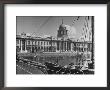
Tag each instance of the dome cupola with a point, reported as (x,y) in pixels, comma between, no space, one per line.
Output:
(62,26)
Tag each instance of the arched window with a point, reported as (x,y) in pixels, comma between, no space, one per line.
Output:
(61,32)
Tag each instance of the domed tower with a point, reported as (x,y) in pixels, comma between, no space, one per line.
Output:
(62,32)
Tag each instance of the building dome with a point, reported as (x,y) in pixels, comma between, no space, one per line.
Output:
(62,26)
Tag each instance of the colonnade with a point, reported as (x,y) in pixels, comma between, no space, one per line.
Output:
(59,46)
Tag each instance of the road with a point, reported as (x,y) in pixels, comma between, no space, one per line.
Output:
(22,68)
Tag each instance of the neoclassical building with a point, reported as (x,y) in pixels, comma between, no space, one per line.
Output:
(26,43)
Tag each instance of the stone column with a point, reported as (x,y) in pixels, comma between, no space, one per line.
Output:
(21,46)
(25,45)
(65,46)
(35,45)
(60,46)
(19,43)
(56,45)
(71,46)
(31,45)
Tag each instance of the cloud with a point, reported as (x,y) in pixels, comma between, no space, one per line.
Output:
(71,31)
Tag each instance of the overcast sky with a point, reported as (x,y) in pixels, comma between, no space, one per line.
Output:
(48,25)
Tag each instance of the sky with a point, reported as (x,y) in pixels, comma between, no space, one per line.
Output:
(48,25)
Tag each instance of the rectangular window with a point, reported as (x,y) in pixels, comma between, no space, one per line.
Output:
(28,42)
(41,43)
